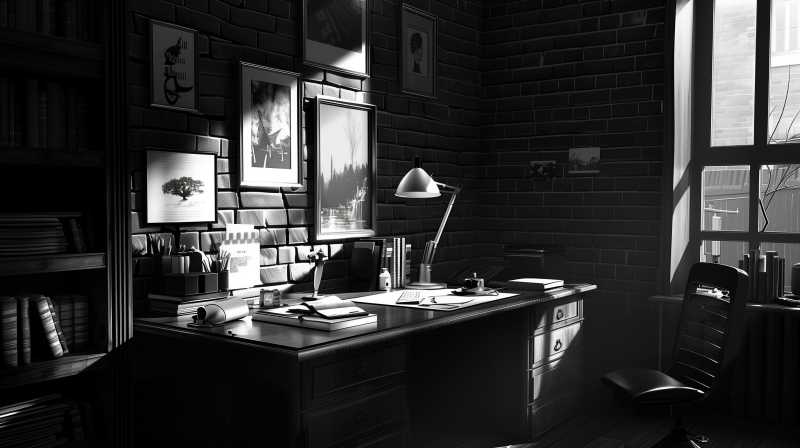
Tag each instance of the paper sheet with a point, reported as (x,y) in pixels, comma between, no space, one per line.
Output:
(441,295)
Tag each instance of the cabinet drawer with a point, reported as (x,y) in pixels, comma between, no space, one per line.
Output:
(554,314)
(545,416)
(555,343)
(550,377)
(343,377)
(356,418)
(397,437)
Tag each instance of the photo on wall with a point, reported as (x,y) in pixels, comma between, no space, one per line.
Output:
(345,203)
(269,154)
(173,67)
(180,187)
(336,35)
(584,161)
(417,52)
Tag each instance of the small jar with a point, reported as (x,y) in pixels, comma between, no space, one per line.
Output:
(276,297)
(266,298)
(385,280)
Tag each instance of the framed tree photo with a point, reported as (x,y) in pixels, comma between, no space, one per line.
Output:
(180,187)
(336,35)
(269,135)
(417,52)
(584,161)
(173,67)
(345,169)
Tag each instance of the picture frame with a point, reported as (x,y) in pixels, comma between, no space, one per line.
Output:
(417,48)
(584,161)
(345,203)
(269,99)
(174,78)
(328,44)
(165,175)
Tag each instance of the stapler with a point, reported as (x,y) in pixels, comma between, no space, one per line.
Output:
(474,286)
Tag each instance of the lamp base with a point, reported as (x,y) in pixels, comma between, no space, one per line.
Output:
(421,285)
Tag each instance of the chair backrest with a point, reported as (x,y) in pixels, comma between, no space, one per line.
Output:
(710,329)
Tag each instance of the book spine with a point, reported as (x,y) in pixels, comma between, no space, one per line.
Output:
(81,21)
(402,280)
(76,240)
(57,323)
(51,12)
(52,108)
(3,12)
(43,15)
(62,118)
(13,116)
(50,334)
(83,123)
(66,318)
(753,275)
(23,331)
(88,224)
(746,268)
(21,21)
(71,122)
(776,275)
(782,278)
(86,418)
(769,276)
(32,112)
(81,238)
(408,264)
(32,16)
(80,313)
(42,117)
(5,119)
(8,332)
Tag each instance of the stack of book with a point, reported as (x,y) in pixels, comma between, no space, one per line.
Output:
(183,305)
(42,115)
(71,19)
(767,275)
(395,256)
(24,234)
(45,422)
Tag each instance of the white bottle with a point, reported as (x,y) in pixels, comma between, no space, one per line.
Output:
(384,280)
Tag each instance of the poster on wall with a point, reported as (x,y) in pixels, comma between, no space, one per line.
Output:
(417,52)
(180,187)
(242,243)
(345,202)
(269,154)
(173,67)
(584,161)
(336,35)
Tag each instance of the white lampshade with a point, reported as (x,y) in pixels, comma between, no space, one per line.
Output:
(417,184)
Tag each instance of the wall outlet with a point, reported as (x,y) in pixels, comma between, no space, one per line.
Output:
(543,170)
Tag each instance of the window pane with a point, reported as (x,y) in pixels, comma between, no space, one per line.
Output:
(784,77)
(779,198)
(726,193)
(724,252)
(733,79)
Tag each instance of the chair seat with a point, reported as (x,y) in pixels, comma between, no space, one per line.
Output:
(647,386)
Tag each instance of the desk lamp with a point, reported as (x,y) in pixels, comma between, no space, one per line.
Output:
(418,184)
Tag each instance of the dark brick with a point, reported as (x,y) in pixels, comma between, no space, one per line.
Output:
(280,8)
(627,94)
(197,20)
(627,124)
(221,50)
(254,20)
(343,80)
(590,97)
(278,44)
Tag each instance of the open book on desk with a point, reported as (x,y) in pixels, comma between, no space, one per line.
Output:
(283,316)
(330,307)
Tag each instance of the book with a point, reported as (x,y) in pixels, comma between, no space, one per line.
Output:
(31,112)
(83,123)
(75,236)
(190,298)
(330,307)
(5,135)
(45,325)
(283,317)
(71,119)
(41,115)
(88,225)
(62,118)
(80,315)
(23,331)
(57,324)
(769,285)
(63,305)
(14,115)
(407,261)
(86,418)
(72,420)
(363,269)
(8,332)
(534,284)
(5,410)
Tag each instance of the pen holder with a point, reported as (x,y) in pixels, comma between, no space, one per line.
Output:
(222,280)
(424,273)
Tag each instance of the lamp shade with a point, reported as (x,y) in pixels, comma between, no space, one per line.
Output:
(417,184)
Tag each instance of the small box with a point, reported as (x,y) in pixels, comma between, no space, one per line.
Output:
(195,262)
(207,282)
(181,284)
(162,264)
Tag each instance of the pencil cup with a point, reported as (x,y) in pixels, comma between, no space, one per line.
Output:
(222,280)
(424,273)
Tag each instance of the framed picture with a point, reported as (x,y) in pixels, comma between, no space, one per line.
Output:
(336,35)
(417,52)
(173,67)
(345,169)
(584,161)
(269,138)
(180,187)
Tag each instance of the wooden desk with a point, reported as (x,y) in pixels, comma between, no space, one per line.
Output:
(511,368)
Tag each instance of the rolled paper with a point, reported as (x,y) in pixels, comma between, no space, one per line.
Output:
(224,311)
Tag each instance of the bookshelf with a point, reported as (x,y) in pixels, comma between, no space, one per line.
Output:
(24,155)
(50,55)
(51,263)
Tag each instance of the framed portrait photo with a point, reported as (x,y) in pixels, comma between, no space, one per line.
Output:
(336,35)
(584,161)
(345,169)
(173,67)
(417,52)
(269,135)
(180,187)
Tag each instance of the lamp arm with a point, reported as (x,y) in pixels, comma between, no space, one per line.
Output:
(456,190)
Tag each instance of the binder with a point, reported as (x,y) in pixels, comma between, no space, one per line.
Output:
(364,265)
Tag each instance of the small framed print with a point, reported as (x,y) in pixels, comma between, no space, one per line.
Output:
(584,161)
(180,187)
(417,52)
(173,67)
(269,148)
(336,35)
(345,169)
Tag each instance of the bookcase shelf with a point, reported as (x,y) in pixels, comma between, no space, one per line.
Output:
(24,155)
(50,55)
(67,365)
(51,263)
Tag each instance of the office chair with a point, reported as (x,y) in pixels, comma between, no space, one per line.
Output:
(700,378)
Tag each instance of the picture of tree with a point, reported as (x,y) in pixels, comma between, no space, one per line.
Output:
(184,187)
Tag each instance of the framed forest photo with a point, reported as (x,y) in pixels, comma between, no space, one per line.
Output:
(417,51)
(173,67)
(269,136)
(180,187)
(345,169)
(336,35)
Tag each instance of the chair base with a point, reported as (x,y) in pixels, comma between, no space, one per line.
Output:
(680,437)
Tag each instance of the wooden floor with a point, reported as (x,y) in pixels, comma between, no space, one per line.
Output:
(608,426)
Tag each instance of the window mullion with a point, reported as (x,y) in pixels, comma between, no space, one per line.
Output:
(761,115)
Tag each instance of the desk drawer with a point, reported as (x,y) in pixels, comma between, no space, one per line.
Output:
(349,420)
(339,378)
(550,377)
(555,343)
(544,416)
(554,314)
(396,437)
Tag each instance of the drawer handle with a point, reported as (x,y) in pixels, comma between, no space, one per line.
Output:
(363,370)
(560,315)
(558,345)
(362,417)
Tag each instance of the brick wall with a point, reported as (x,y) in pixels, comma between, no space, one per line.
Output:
(560,75)
(444,132)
